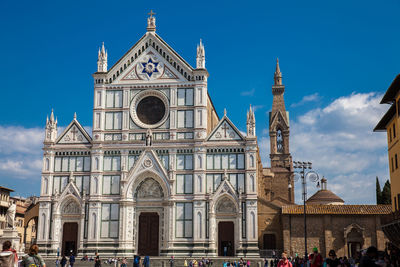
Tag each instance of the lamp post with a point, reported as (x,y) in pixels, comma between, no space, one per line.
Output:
(303,170)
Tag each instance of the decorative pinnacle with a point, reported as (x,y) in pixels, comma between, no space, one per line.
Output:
(277,74)
(151,22)
(224,111)
(52,116)
(74,115)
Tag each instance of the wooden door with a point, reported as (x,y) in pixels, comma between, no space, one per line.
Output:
(226,239)
(269,241)
(148,234)
(70,238)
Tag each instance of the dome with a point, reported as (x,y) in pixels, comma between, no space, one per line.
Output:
(325,196)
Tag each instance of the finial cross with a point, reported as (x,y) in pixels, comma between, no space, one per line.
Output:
(74,131)
(151,13)
(225,127)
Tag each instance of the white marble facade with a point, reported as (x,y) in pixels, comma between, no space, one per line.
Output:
(152,151)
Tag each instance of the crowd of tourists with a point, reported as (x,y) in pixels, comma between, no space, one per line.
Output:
(370,257)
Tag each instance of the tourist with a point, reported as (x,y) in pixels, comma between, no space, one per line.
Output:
(8,256)
(185,264)
(63,261)
(97,261)
(171,261)
(284,262)
(368,260)
(124,263)
(332,260)
(33,258)
(57,262)
(136,261)
(146,261)
(315,258)
(72,260)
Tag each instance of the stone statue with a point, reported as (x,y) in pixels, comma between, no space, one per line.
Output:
(149,137)
(10,215)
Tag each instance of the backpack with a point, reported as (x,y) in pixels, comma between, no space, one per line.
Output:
(7,259)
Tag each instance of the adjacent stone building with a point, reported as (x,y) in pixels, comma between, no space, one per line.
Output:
(333,225)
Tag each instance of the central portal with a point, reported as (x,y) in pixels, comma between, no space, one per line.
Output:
(148,234)
(226,239)
(70,239)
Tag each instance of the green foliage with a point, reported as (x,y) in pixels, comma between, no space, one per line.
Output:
(378,192)
(386,197)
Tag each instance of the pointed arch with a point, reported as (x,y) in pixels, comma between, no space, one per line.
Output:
(94,225)
(279,140)
(200,183)
(43,218)
(225,204)
(96,184)
(251,160)
(199,225)
(45,185)
(253,224)
(252,183)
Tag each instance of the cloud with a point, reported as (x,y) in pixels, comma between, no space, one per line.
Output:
(257,107)
(248,93)
(339,141)
(308,98)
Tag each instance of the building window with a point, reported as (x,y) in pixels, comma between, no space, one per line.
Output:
(243,219)
(207,219)
(184,219)
(184,162)
(164,158)
(225,161)
(390,134)
(185,97)
(395,203)
(109,220)
(185,119)
(392,165)
(395,161)
(113,99)
(238,182)
(394,130)
(112,163)
(83,183)
(111,184)
(59,184)
(85,227)
(279,141)
(113,120)
(212,182)
(72,164)
(184,184)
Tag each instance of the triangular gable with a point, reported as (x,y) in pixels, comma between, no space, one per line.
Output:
(148,160)
(150,66)
(70,189)
(279,118)
(123,69)
(74,134)
(225,187)
(225,131)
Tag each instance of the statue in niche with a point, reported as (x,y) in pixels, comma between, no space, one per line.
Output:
(149,188)
(226,205)
(149,137)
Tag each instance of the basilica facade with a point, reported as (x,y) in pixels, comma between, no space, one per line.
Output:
(161,173)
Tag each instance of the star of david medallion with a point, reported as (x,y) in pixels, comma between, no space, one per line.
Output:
(150,67)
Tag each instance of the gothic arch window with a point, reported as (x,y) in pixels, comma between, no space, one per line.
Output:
(47,164)
(253,225)
(163,54)
(199,182)
(200,225)
(135,55)
(252,183)
(96,181)
(279,141)
(43,225)
(94,224)
(45,185)
(200,161)
(97,163)
(251,160)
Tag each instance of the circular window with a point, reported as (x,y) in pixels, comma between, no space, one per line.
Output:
(149,109)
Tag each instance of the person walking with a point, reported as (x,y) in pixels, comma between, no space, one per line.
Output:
(57,262)
(315,258)
(33,259)
(63,261)
(368,260)
(146,261)
(171,261)
(8,256)
(72,260)
(332,260)
(97,261)
(284,262)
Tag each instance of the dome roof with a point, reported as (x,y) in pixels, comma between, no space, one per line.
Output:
(325,196)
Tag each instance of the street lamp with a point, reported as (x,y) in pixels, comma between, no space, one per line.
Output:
(303,170)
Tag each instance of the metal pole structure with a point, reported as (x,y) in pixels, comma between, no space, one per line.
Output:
(305,214)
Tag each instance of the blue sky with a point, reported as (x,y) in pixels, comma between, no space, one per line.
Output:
(337,58)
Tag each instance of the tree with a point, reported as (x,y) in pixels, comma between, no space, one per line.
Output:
(378,192)
(386,196)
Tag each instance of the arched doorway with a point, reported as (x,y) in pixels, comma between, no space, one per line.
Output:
(149,196)
(226,213)
(354,239)
(70,218)
(70,238)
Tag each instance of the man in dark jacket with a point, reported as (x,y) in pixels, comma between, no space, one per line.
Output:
(368,260)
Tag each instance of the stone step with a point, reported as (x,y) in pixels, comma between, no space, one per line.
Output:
(163,262)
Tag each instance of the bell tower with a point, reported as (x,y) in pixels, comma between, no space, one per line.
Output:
(281,160)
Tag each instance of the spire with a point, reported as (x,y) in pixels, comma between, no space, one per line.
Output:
(74,115)
(251,122)
(52,116)
(151,22)
(277,74)
(51,128)
(102,59)
(201,56)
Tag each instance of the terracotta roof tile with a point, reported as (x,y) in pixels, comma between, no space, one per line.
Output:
(338,209)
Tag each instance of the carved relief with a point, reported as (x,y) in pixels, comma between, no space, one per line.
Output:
(149,188)
(71,208)
(225,205)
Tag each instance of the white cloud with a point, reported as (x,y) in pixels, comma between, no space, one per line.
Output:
(308,98)
(248,93)
(339,141)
